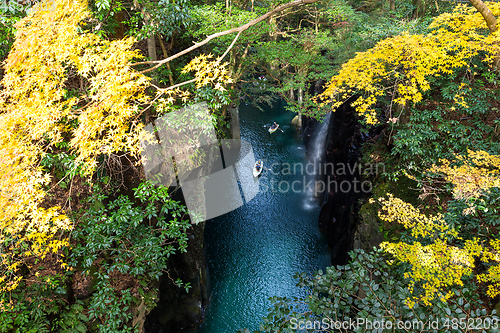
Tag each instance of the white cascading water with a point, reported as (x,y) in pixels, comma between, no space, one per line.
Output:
(316,156)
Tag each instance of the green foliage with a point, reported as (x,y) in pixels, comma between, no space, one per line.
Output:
(209,19)
(73,320)
(369,288)
(63,166)
(166,17)
(10,13)
(291,65)
(111,308)
(41,307)
(216,100)
(479,221)
(440,127)
(170,16)
(127,238)
(104,23)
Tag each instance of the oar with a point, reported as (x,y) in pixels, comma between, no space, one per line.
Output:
(251,166)
(278,128)
(263,167)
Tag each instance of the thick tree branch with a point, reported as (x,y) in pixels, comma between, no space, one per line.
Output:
(239,29)
(230,46)
(491,20)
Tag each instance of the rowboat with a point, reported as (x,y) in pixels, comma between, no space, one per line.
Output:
(257,168)
(273,129)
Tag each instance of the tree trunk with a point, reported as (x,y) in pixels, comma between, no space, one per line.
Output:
(392,5)
(150,40)
(152,48)
(120,29)
(165,55)
(491,22)
(419,9)
(272,36)
(235,122)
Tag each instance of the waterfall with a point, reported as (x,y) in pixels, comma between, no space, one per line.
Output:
(316,157)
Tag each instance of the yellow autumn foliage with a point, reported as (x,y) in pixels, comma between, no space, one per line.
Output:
(399,68)
(472,175)
(475,173)
(65,83)
(208,71)
(436,265)
(435,268)
(492,275)
(395,210)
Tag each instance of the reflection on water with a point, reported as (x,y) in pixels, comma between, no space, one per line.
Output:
(254,251)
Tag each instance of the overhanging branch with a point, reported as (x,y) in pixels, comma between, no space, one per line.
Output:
(239,30)
(491,20)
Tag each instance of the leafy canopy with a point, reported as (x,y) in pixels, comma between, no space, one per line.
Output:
(399,69)
(65,86)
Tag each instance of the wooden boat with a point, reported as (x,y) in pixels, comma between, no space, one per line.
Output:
(258,171)
(273,129)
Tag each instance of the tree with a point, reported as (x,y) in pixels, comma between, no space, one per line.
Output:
(491,22)
(72,113)
(365,295)
(399,69)
(299,55)
(488,16)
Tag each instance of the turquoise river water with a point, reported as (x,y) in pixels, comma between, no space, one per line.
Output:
(254,251)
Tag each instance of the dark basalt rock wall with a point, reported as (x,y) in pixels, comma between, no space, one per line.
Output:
(177,309)
(338,213)
(342,202)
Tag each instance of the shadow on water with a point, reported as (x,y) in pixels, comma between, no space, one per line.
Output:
(254,251)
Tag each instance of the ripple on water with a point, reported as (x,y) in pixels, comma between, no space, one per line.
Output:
(254,251)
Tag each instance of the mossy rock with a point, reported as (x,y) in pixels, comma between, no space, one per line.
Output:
(368,231)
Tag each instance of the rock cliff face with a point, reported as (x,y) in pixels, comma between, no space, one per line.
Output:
(367,233)
(341,202)
(338,213)
(177,309)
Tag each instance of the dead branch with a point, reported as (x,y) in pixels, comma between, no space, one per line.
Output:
(239,30)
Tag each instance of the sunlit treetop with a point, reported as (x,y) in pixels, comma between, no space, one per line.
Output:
(436,265)
(471,175)
(63,83)
(399,68)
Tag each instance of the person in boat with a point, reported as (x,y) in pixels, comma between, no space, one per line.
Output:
(258,165)
(273,126)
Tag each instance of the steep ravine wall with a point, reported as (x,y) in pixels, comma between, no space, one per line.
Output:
(339,216)
(176,309)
